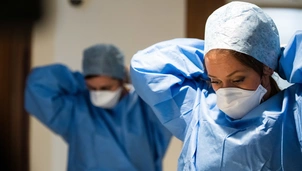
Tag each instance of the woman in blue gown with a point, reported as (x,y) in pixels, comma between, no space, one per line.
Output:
(218,95)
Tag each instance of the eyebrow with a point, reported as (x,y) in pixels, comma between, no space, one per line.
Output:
(234,72)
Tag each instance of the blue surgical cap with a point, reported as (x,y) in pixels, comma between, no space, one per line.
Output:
(245,28)
(103,59)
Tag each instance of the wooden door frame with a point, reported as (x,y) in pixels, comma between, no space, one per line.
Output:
(15,47)
(197,12)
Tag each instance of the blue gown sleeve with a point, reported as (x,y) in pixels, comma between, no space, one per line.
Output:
(290,62)
(166,76)
(290,69)
(50,96)
(160,135)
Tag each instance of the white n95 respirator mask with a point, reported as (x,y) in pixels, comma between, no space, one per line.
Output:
(105,98)
(236,102)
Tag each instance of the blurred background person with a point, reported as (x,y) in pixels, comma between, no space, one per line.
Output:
(106,125)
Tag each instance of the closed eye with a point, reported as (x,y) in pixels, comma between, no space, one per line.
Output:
(215,82)
(239,80)
(105,88)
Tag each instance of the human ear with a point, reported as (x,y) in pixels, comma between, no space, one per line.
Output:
(267,71)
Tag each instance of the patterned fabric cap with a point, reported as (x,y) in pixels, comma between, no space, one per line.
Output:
(245,28)
(103,59)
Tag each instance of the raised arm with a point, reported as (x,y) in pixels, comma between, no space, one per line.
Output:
(290,62)
(166,76)
(50,96)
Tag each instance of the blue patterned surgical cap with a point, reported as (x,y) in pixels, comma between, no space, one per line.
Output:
(245,28)
(103,59)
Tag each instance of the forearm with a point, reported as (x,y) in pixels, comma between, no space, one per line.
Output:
(50,94)
(165,75)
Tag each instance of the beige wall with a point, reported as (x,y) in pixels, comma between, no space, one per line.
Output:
(65,31)
(41,139)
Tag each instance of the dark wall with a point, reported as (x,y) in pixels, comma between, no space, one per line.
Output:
(16,10)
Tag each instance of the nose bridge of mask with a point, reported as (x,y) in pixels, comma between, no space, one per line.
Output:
(102,93)
(234,91)
(106,93)
(231,94)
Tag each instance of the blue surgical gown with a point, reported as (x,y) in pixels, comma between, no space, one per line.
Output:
(127,138)
(170,76)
